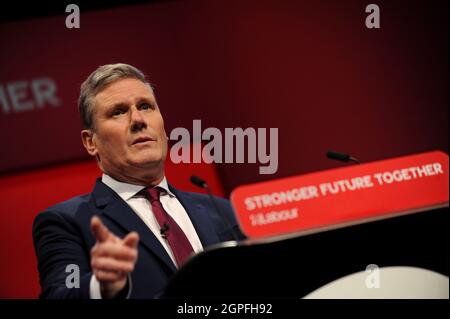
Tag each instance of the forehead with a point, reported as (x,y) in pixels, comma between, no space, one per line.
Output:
(125,90)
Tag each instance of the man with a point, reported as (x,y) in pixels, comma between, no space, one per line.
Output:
(134,230)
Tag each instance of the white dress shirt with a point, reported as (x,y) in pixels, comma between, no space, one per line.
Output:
(142,207)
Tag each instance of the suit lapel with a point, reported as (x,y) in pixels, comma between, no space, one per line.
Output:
(200,217)
(111,205)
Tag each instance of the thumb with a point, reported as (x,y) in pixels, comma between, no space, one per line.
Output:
(131,240)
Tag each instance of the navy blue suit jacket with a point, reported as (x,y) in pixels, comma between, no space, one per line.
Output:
(62,236)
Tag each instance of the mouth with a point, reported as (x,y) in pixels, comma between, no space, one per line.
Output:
(142,140)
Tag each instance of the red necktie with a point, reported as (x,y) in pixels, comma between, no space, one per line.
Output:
(178,242)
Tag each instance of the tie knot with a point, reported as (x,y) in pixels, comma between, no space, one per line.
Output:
(154,193)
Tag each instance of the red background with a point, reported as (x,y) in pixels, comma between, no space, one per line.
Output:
(310,68)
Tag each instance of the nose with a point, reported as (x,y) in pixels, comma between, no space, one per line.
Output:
(137,120)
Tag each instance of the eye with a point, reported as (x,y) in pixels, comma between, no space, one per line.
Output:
(118,112)
(146,106)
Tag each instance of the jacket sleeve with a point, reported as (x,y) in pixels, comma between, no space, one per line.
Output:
(62,255)
(235,231)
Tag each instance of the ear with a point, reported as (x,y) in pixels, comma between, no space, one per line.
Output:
(88,139)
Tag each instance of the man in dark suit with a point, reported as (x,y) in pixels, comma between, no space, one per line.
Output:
(134,230)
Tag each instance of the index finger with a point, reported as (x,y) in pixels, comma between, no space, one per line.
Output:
(99,230)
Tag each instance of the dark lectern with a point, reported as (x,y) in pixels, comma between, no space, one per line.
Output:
(295,265)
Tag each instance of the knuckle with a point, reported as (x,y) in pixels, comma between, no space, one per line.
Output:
(95,264)
(134,253)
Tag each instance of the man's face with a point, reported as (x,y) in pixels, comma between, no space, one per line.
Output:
(129,134)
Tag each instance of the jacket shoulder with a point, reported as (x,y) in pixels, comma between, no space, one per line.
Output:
(63,213)
(69,207)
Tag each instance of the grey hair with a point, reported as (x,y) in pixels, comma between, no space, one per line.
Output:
(96,81)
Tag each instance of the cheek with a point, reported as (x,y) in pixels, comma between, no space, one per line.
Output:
(158,123)
(111,142)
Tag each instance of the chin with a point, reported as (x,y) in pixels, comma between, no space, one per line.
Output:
(148,162)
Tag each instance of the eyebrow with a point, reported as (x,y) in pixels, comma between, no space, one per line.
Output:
(140,100)
(118,105)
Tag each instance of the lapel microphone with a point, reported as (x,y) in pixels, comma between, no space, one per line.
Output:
(197,181)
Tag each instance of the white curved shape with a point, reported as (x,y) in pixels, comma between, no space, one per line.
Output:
(394,283)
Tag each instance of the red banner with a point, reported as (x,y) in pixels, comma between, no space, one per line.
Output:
(343,196)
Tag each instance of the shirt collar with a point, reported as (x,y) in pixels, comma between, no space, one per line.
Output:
(127,191)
